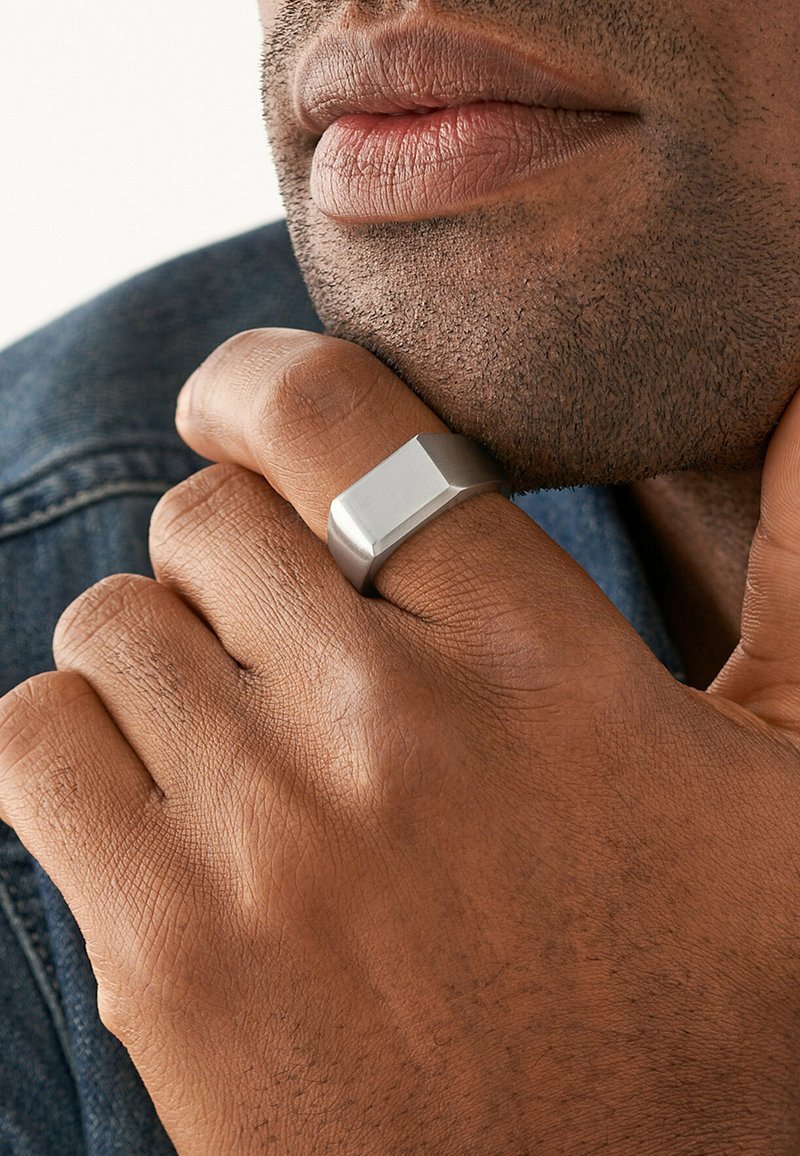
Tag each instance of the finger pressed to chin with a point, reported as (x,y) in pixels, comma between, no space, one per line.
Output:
(313,414)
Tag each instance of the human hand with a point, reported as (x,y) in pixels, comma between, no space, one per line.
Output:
(457,869)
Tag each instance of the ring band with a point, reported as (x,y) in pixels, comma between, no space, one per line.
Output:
(428,475)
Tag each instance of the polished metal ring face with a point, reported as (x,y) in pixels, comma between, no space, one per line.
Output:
(428,475)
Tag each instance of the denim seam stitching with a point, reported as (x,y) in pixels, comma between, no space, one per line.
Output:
(158,446)
(39,974)
(81,499)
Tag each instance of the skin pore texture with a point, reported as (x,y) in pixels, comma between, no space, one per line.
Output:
(630,315)
(462,868)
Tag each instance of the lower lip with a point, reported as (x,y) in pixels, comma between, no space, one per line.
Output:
(371,167)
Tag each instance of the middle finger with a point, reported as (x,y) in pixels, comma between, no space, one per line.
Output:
(244,561)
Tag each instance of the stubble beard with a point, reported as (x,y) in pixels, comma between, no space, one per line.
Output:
(665,338)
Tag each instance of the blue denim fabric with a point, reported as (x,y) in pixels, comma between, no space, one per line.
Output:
(87,445)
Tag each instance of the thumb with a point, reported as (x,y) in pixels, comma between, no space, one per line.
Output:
(763,673)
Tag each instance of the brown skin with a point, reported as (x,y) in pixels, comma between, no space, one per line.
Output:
(647,317)
(456,869)
(647,320)
(693,532)
(461,868)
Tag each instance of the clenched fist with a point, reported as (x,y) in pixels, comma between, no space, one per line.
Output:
(456,869)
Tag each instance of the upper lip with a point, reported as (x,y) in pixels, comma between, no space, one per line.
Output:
(395,69)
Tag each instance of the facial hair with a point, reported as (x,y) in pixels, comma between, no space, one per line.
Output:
(646,325)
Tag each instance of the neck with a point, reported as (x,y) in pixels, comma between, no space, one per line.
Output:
(693,532)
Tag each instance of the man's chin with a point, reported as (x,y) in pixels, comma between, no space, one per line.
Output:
(627,354)
(561,435)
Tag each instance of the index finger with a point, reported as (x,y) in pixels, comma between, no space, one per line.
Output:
(313,414)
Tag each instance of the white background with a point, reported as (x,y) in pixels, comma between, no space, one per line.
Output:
(129,132)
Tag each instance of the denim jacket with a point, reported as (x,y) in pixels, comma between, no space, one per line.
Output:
(87,445)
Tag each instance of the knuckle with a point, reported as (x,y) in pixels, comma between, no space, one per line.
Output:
(32,720)
(58,803)
(379,736)
(130,989)
(162,957)
(240,350)
(114,1012)
(322,384)
(239,356)
(121,1008)
(110,607)
(26,711)
(190,505)
(227,371)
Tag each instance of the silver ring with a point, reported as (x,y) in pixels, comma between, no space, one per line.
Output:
(428,475)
